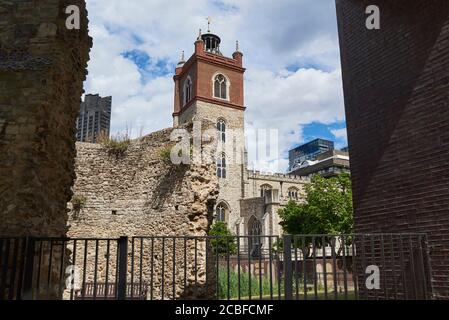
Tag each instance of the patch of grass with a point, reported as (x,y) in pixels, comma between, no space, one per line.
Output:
(271,287)
(116,145)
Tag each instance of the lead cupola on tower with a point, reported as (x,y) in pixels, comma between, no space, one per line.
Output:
(211,41)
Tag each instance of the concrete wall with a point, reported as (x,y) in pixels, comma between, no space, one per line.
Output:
(396,86)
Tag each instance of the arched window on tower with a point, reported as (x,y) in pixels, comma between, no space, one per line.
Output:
(220,87)
(187,90)
(265,190)
(221,166)
(221,127)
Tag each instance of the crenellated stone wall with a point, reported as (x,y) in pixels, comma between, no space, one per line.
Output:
(42,69)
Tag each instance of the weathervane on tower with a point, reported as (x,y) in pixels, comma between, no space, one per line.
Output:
(209,21)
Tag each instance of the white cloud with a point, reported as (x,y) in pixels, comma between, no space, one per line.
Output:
(276,37)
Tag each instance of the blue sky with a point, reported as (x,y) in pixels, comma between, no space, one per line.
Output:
(293,78)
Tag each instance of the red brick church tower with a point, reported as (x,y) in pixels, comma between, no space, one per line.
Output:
(208,77)
(209,86)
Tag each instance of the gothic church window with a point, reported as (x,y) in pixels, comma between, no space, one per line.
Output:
(265,189)
(221,127)
(293,193)
(187,90)
(221,166)
(220,87)
(221,213)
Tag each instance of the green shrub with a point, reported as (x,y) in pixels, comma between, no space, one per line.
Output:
(225,241)
(78,204)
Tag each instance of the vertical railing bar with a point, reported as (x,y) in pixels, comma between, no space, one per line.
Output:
(363,257)
(288,283)
(61,272)
(238,268)
(260,266)
(423,270)
(174,269)
(249,266)
(315,284)
(334,267)
(270,252)
(345,276)
(108,250)
(393,267)
(429,269)
(12,278)
(196,266)
(228,279)
(217,270)
(354,268)
(141,267)
(278,263)
(185,263)
(132,267)
(83,290)
(373,260)
(325,267)
(304,266)
(29,268)
(95,270)
(384,267)
(72,271)
(23,242)
(206,240)
(163,269)
(412,263)
(295,247)
(123,266)
(50,265)
(5,268)
(404,277)
(152,269)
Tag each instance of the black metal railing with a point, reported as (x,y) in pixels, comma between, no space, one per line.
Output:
(301,267)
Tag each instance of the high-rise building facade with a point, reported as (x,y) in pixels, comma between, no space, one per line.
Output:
(308,151)
(94,118)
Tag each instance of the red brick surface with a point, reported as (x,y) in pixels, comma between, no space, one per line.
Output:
(396,85)
(201,68)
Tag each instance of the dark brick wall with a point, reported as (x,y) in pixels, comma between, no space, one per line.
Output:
(396,86)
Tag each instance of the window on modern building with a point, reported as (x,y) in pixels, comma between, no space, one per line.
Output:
(221,213)
(187,90)
(221,127)
(221,166)
(220,87)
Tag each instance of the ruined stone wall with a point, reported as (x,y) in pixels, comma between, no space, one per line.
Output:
(141,193)
(42,69)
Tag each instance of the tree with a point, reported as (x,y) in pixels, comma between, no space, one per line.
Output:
(327,209)
(223,240)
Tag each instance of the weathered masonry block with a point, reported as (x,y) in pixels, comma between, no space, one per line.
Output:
(42,69)
(396,86)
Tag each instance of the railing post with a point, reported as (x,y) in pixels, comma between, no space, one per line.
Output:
(288,281)
(27,293)
(122,267)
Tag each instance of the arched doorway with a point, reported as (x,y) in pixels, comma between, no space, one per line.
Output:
(255,233)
